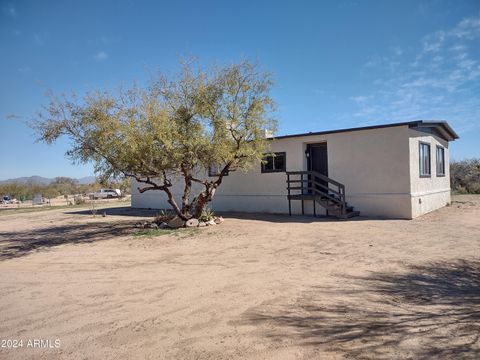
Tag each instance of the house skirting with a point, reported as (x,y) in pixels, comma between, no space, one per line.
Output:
(429,201)
(386,205)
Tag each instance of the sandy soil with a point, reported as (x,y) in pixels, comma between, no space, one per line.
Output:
(257,287)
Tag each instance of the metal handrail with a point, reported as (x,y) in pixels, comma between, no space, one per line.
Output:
(313,178)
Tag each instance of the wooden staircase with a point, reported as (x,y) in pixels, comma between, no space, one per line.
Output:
(328,193)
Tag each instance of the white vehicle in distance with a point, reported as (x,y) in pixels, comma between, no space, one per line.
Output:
(6,199)
(105,194)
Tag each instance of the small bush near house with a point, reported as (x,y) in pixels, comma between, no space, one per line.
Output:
(465,176)
(207,215)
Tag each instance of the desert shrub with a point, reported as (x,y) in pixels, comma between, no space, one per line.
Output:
(465,176)
(79,200)
(60,186)
(474,188)
(207,215)
(460,190)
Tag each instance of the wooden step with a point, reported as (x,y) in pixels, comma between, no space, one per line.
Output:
(348,215)
(350,212)
(333,206)
(328,193)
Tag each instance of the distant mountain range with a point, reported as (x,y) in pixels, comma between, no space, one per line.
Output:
(44,181)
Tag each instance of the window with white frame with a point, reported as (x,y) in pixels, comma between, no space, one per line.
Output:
(424,159)
(440,161)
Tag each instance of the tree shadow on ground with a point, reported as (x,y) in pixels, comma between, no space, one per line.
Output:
(274,218)
(17,244)
(285,218)
(431,311)
(119,211)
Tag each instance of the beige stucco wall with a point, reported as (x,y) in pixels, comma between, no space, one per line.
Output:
(431,193)
(373,165)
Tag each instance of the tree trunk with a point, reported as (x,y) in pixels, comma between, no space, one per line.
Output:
(200,203)
(202,200)
(186,195)
(207,195)
(174,205)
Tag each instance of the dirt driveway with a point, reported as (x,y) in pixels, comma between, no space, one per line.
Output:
(257,287)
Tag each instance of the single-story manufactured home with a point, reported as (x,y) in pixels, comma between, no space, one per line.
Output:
(398,170)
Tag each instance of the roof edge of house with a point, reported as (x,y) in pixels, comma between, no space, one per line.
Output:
(452,135)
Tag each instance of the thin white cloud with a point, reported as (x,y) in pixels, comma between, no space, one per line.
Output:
(458,48)
(391,62)
(397,50)
(10,11)
(441,83)
(24,69)
(101,56)
(433,43)
(468,28)
(39,38)
(360,98)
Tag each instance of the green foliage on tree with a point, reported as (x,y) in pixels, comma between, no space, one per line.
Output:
(174,128)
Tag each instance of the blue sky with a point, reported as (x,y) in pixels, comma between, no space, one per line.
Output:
(336,64)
